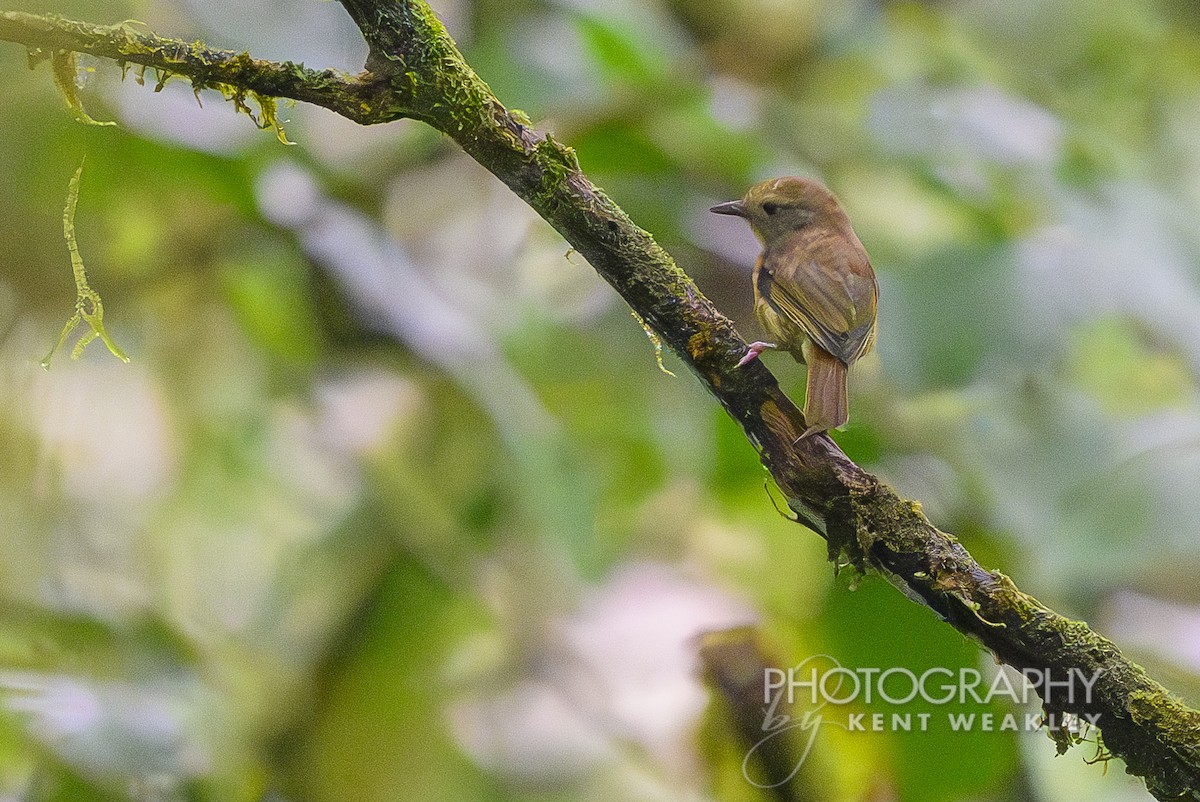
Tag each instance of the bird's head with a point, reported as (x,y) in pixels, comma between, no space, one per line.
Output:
(782,205)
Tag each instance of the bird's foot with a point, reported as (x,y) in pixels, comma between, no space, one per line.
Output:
(756,348)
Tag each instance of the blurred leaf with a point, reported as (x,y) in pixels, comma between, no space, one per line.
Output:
(957,310)
(618,53)
(383,724)
(616,147)
(268,292)
(1110,360)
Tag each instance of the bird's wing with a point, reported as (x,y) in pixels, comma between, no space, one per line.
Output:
(826,287)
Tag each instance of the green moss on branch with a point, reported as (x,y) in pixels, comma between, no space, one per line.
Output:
(355,97)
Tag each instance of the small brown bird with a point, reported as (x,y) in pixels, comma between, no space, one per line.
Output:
(814,290)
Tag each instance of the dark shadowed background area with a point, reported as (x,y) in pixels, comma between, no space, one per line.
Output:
(393,501)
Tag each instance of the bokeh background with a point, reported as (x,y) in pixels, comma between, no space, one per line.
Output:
(393,501)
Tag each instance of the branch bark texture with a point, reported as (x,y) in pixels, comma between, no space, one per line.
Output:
(415,71)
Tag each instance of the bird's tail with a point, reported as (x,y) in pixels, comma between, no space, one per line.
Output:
(826,405)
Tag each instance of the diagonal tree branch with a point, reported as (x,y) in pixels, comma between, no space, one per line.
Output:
(415,70)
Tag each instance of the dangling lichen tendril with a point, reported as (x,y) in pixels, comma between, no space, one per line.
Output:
(655,341)
(65,66)
(87,301)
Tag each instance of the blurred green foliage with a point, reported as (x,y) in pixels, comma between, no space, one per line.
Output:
(393,501)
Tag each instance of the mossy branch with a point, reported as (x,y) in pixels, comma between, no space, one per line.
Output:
(415,70)
(356,97)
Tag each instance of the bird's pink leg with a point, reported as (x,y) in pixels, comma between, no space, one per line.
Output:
(756,348)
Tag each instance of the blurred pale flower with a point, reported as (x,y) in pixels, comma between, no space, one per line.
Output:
(621,673)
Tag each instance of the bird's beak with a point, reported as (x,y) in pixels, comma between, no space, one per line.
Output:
(736,208)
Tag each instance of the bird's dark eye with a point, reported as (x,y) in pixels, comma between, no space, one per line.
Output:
(770,208)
